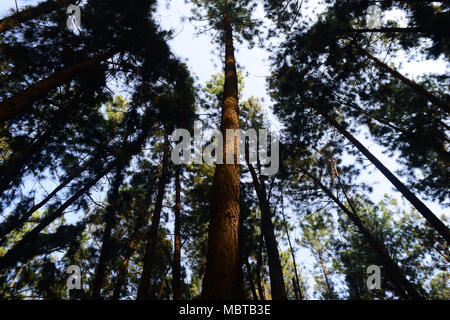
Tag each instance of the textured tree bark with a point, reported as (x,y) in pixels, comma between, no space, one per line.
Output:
(275,270)
(393,270)
(176,269)
(413,85)
(435,222)
(223,276)
(152,234)
(21,102)
(20,17)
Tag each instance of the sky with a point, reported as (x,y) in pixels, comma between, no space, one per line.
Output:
(198,52)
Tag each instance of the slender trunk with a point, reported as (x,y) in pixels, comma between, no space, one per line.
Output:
(14,254)
(259,267)
(412,134)
(6,229)
(123,270)
(413,85)
(163,284)
(176,269)
(393,270)
(20,17)
(437,224)
(106,249)
(21,102)
(223,275)
(152,234)
(325,275)
(298,293)
(275,270)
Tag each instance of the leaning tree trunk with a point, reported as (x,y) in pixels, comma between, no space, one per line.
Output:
(21,102)
(152,234)
(19,221)
(437,224)
(176,269)
(27,241)
(223,275)
(20,17)
(410,83)
(393,270)
(275,270)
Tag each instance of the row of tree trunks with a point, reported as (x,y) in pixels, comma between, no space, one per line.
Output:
(412,84)
(394,271)
(434,221)
(152,234)
(223,276)
(21,102)
(20,17)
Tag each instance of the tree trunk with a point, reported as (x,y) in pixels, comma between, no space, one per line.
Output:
(163,284)
(275,270)
(223,275)
(250,279)
(13,254)
(259,267)
(123,269)
(21,102)
(413,85)
(16,19)
(11,171)
(152,234)
(176,269)
(109,217)
(393,270)
(437,224)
